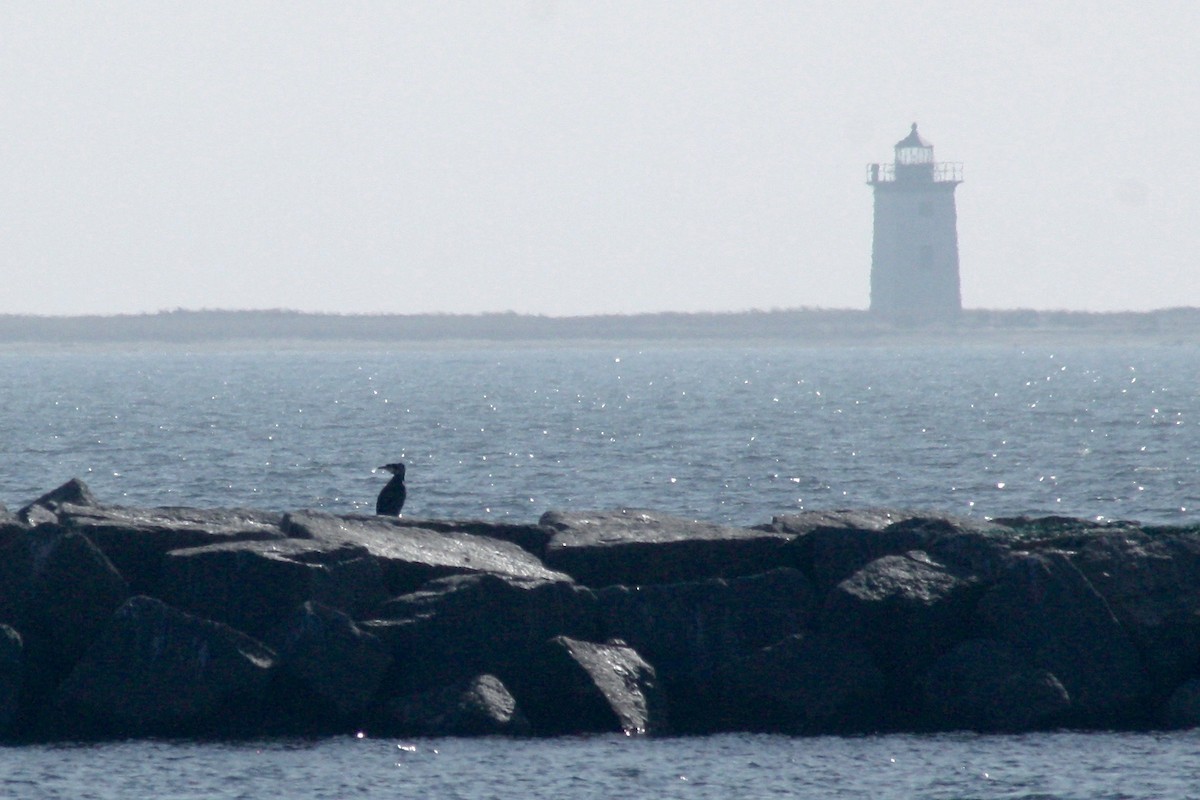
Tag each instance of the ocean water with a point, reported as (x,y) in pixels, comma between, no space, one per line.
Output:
(729,434)
(1058,766)
(724,434)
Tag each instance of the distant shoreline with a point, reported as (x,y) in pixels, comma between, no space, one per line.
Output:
(295,330)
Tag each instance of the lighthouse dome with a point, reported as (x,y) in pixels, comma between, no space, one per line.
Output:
(914,150)
(914,139)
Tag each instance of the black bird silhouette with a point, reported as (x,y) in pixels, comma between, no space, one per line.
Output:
(391,499)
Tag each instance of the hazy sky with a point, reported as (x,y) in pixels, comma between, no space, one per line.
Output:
(585,157)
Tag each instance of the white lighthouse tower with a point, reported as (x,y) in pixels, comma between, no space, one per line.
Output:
(914,257)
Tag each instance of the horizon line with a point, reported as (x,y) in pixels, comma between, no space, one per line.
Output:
(542,315)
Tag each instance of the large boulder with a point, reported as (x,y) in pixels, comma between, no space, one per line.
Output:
(254,585)
(983,685)
(159,671)
(906,609)
(411,556)
(11,664)
(45,509)
(16,573)
(635,547)
(575,686)
(1053,618)
(329,668)
(1182,709)
(689,630)
(982,552)
(137,540)
(806,683)
(830,553)
(43,568)
(465,625)
(480,706)
(74,590)
(58,591)
(1152,585)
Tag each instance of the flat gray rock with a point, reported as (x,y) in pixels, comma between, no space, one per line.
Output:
(181,525)
(136,539)
(637,547)
(532,538)
(842,519)
(253,586)
(412,556)
(625,525)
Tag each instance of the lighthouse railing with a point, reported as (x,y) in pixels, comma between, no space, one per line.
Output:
(942,172)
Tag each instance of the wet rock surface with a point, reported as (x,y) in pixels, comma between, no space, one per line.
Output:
(577,686)
(806,683)
(118,621)
(329,669)
(466,625)
(10,678)
(1053,618)
(691,631)
(984,685)
(481,706)
(155,670)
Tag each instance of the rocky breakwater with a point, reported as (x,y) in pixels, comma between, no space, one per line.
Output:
(118,622)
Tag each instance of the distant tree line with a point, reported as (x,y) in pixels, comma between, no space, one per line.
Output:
(183,326)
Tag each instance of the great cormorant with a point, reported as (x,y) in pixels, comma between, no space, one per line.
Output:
(391,499)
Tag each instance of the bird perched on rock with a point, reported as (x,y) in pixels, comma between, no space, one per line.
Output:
(391,499)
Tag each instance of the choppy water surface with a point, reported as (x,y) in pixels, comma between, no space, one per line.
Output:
(733,434)
(1064,766)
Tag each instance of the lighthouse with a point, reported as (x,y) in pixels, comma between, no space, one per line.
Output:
(914,255)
